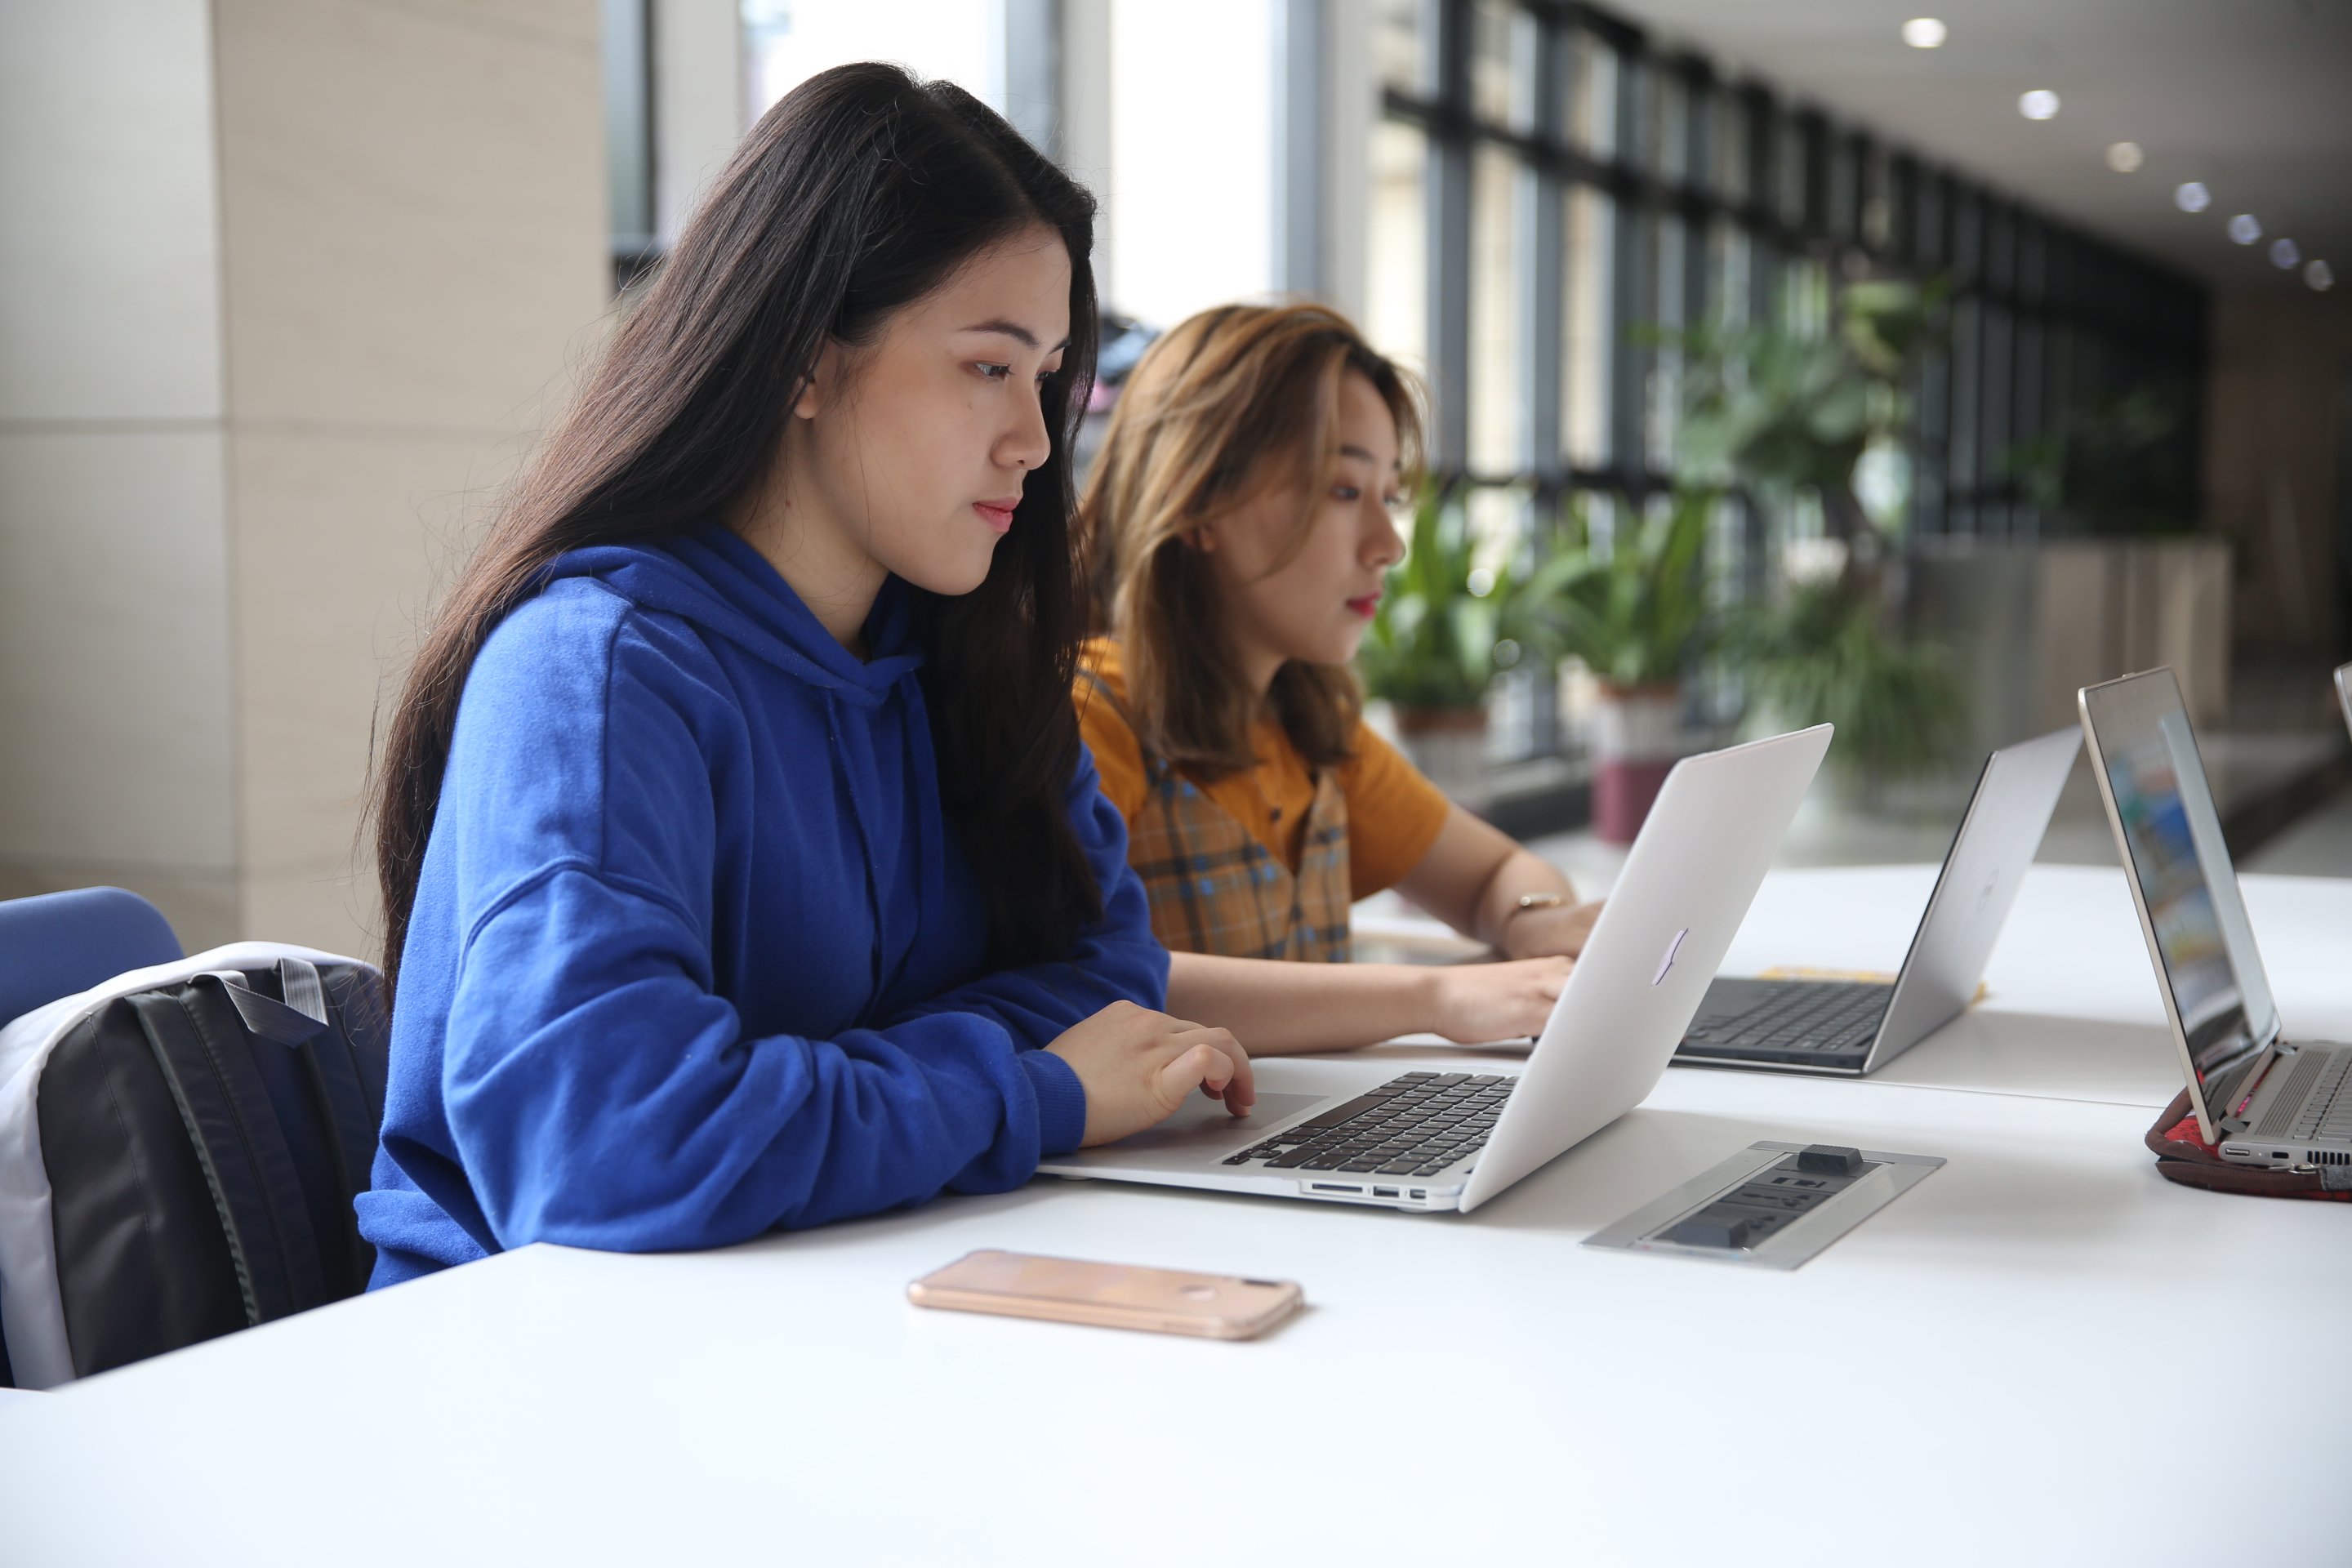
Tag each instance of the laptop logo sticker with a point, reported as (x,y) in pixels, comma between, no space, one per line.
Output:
(1667,963)
(1985,897)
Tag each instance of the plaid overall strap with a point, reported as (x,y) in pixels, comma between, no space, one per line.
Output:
(1213,888)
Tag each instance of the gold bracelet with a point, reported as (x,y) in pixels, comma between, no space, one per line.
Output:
(1535,901)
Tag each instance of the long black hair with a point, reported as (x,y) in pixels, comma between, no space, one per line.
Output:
(861,191)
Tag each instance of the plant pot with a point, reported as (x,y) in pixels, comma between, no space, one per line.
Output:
(1637,733)
(1449,746)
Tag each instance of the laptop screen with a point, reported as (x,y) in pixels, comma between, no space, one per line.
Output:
(2204,940)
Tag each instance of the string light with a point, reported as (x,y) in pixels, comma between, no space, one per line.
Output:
(2192,198)
(2124,157)
(2245,228)
(2040,104)
(1923,33)
(2285,256)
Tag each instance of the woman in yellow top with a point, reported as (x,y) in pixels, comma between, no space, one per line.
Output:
(1240,513)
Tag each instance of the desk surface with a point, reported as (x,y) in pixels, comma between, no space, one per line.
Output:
(2000,1357)
(2071,1009)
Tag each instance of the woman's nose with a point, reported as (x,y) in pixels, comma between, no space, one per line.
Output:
(1383,545)
(1028,443)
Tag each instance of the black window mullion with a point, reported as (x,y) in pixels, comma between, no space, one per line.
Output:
(1543,277)
(1448,199)
(1629,278)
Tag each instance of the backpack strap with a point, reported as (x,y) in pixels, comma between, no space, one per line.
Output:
(288,1023)
(225,1111)
(339,1083)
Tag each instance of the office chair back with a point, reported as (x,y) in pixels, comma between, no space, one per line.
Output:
(57,943)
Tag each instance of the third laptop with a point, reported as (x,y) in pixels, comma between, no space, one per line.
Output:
(1847,1027)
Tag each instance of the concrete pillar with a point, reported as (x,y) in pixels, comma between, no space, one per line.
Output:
(292,283)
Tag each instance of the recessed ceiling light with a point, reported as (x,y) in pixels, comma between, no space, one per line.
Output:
(2317,274)
(2245,229)
(2192,198)
(2040,104)
(2125,156)
(2285,256)
(1923,33)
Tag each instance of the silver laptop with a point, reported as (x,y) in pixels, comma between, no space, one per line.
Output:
(2264,1099)
(1848,1027)
(1360,1132)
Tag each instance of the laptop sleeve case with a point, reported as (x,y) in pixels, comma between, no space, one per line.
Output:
(2184,1157)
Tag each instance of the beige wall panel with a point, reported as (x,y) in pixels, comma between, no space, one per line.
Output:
(414,251)
(340,538)
(414,208)
(335,912)
(2079,635)
(107,231)
(114,672)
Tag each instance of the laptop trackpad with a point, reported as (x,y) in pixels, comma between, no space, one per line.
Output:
(1205,1126)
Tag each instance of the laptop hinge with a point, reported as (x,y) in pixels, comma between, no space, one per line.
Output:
(2238,1087)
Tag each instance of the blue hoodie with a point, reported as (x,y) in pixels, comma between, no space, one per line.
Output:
(695,953)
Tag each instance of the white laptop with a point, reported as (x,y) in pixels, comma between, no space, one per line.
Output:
(1848,1027)
(1356,1132)
(2265,1100)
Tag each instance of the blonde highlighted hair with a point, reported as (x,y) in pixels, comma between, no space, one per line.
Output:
(1233,403)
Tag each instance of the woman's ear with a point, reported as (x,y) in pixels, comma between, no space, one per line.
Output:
(823,380)
(1203,539)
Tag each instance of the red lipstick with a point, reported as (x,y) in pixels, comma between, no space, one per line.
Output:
(997,514)
(1365,605)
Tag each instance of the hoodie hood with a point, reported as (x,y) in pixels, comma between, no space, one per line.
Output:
(722,586)
(717,582)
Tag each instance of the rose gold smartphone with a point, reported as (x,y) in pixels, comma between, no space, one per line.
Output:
(1112,1295)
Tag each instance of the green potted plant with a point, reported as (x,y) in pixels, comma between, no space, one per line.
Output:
(1431,651)
(1784,415)
(1821,655)
(1636,614)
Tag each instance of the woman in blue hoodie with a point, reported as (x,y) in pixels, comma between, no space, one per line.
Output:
(741,865)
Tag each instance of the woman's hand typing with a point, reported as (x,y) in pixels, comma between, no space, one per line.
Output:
(1471,1003)
(1137,1067)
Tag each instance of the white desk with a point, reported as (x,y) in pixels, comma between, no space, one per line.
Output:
(1995,1367)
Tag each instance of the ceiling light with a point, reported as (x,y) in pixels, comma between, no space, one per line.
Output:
(2285,256)
(2125,156)
(1923,33)
(2317,274)
(2245,229)
(2192,198)
(2040,104)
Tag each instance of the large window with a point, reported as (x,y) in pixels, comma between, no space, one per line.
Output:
(1547,184)
(1548,187)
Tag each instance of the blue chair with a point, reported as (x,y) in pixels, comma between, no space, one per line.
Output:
(57,943)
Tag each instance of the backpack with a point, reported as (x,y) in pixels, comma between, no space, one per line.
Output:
(179,1150)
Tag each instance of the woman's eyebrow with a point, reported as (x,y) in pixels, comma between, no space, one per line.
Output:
(1017,333)
(1348,450)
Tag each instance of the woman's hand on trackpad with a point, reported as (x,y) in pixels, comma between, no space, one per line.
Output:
(1138,1065)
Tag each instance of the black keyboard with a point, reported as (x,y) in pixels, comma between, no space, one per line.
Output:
(1416,1125)
(1820,1023)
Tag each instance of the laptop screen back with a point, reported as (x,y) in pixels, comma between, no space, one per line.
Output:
(2166,819)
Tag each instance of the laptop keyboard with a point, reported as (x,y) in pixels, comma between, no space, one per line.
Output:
(1416,1125)
(2326,1111)
(1824,1022)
